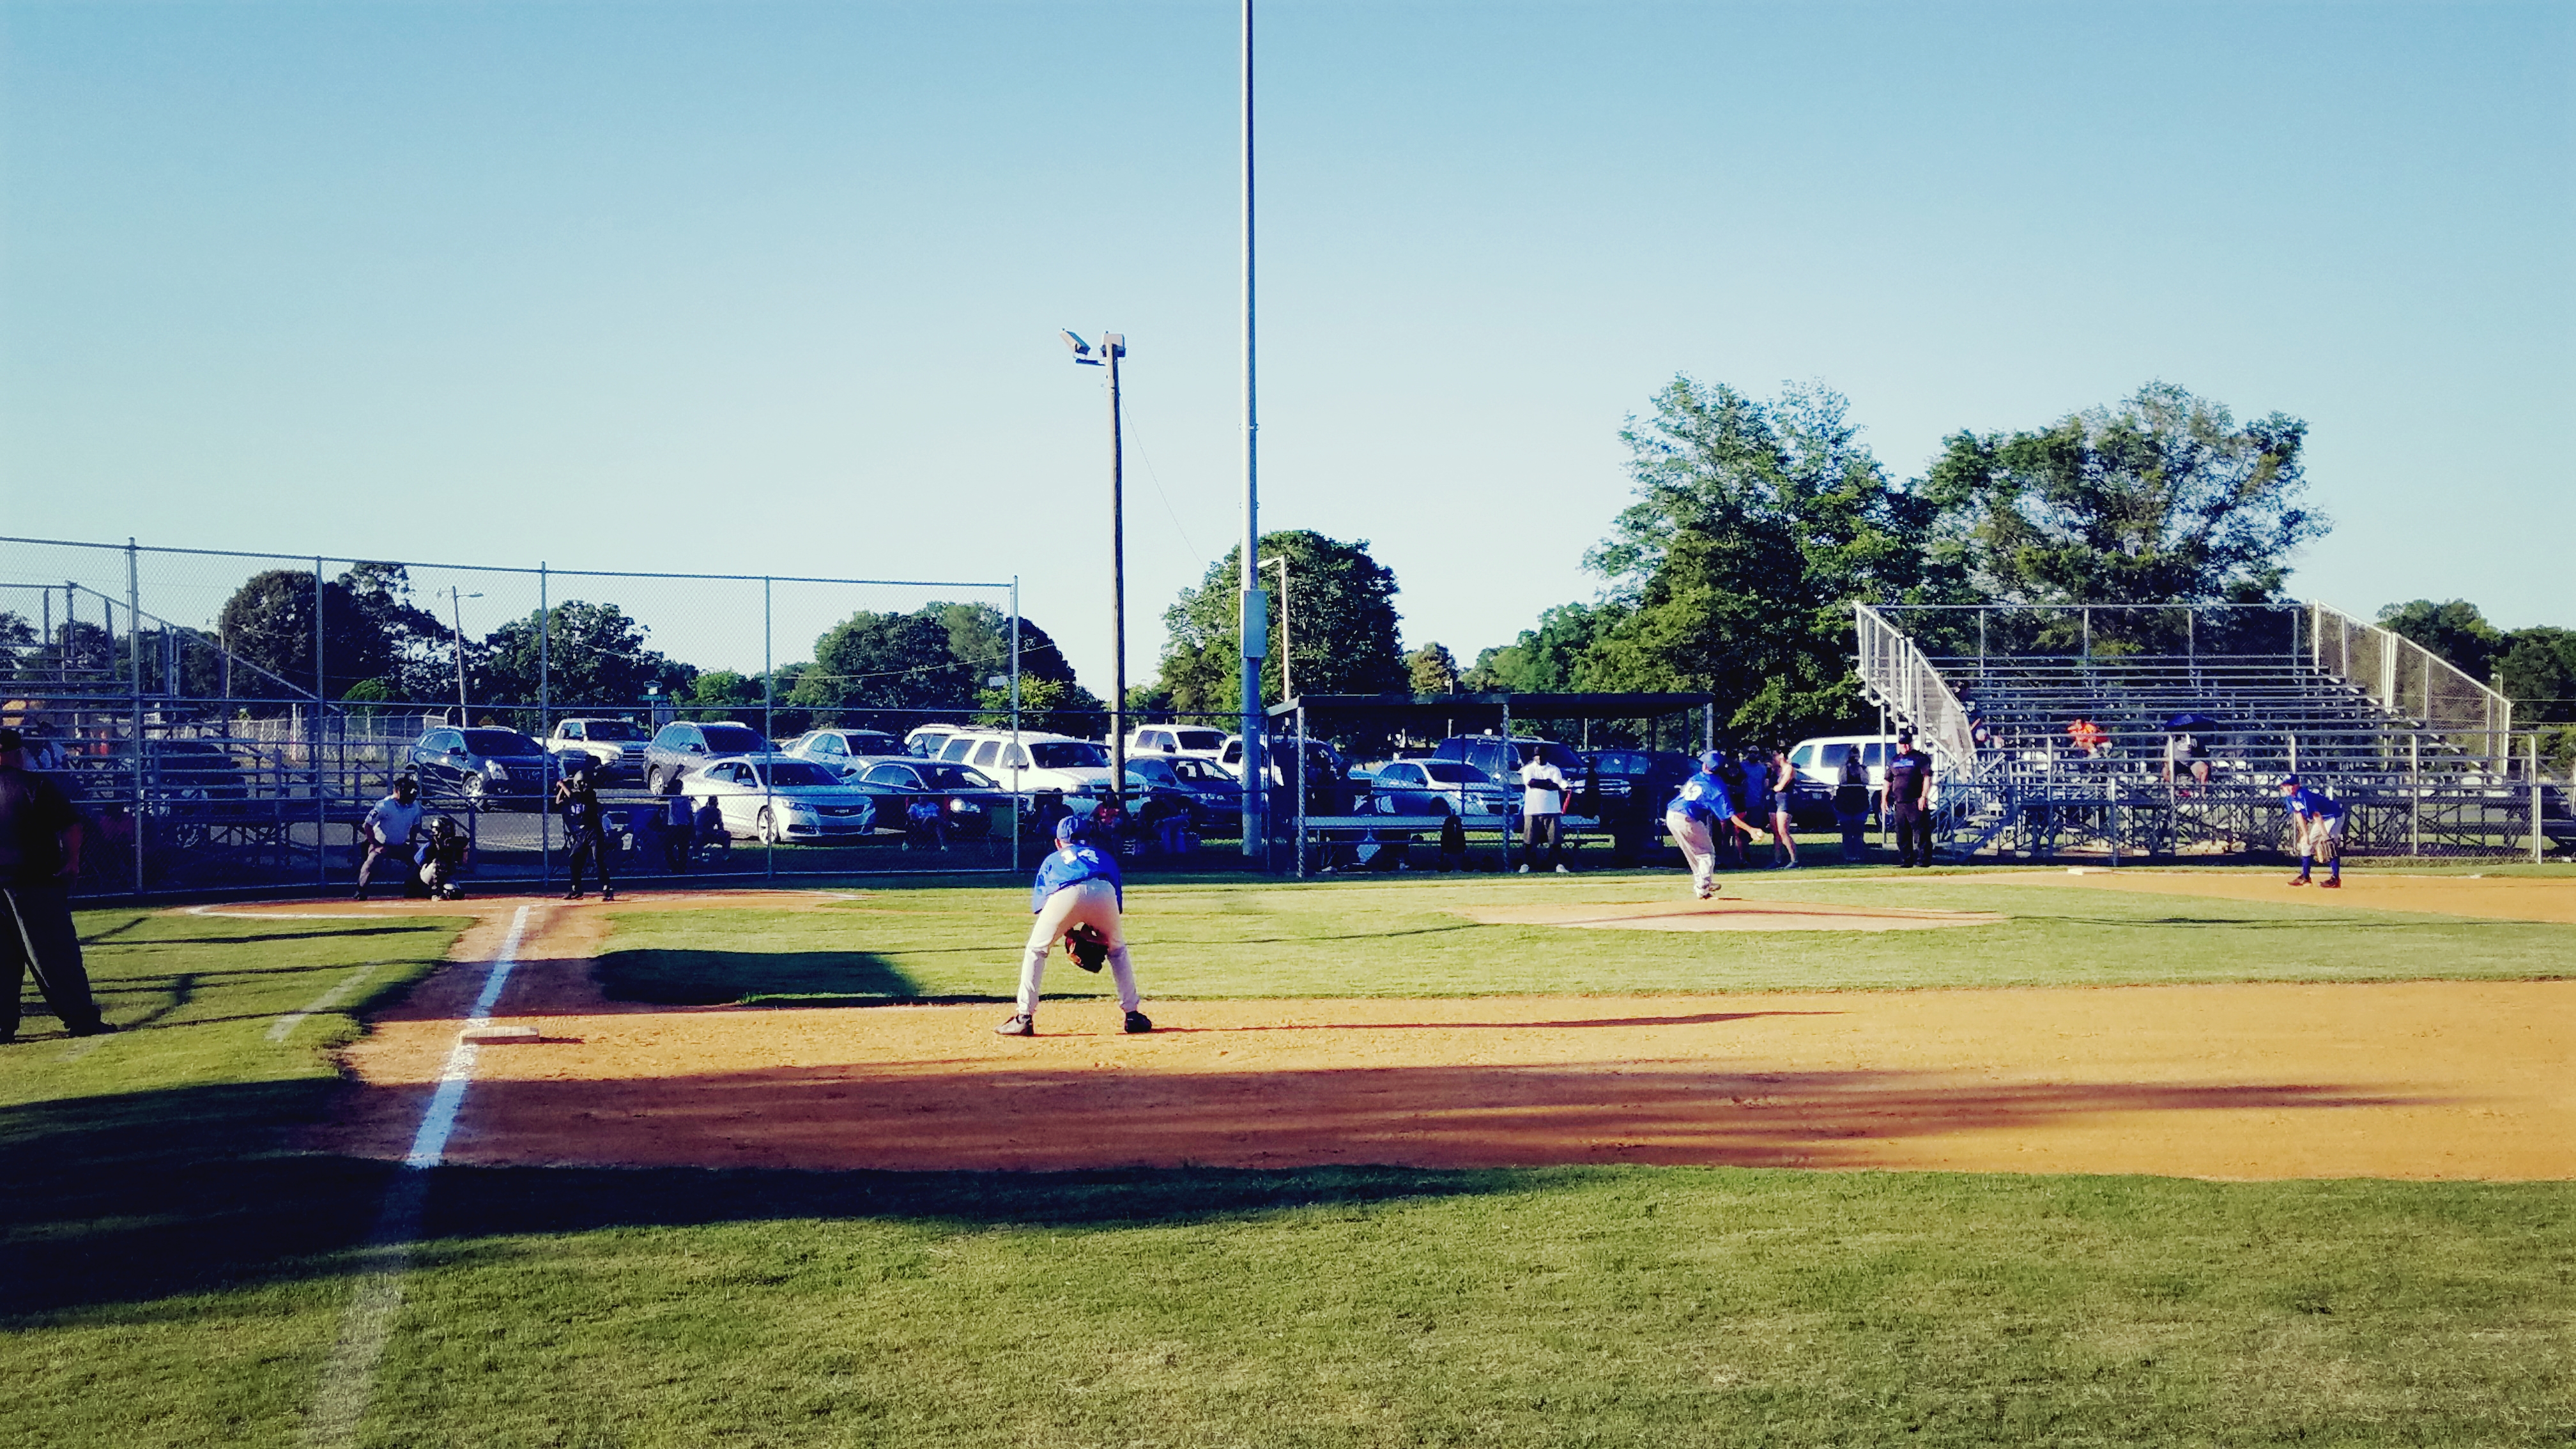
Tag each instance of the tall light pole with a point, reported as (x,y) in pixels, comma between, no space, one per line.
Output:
(1255,615)
(1113,346)
(456,614)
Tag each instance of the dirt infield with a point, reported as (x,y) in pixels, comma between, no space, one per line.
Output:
(1726,915)
(2416,1080)
(2500,898)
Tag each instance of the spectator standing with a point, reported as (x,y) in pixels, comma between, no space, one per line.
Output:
(1908,785)
(40,854)
(1543,788)
(1782,778)
(1851,805)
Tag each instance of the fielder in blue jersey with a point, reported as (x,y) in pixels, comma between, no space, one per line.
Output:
(2316,827)
(1698,809)
(1077,899)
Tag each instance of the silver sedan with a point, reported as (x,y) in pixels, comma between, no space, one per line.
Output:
(779,798)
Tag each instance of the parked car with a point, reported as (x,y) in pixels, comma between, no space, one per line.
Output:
(1435,787)
(1819,763)
(1650,776)
(1197,741)
(616,745)
(964,798)
(843,752)
(778,798)
(1033,761)
(683,747)
(1212,796)
(1501,759)
(483,765)
(926,741)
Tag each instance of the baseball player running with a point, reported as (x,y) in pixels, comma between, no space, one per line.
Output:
(1077,899)
(2316,825)
(1699,808)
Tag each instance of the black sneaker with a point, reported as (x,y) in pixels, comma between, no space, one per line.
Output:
(95,1028)
(1017,1026)
(608,895)
(572,895)
(1138,1023)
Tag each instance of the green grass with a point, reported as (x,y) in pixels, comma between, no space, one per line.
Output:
(172,1272)
(1407,938)
(159,1278)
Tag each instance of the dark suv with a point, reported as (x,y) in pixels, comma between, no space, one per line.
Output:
(1502,759)
(681,746)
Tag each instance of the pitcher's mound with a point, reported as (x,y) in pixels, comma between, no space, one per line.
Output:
(1726,915)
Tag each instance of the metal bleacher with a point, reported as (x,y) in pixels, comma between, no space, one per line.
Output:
(2424,758)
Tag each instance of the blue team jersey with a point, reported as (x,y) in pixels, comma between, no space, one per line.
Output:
(1702,798)
(1072,865)
(2303,802)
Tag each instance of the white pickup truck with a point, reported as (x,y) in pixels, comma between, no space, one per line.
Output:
(617,744)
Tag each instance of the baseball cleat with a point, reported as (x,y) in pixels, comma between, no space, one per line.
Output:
(2331,883)
(2298,880)
(1138,1023)
(1561,870)
(1017,1026)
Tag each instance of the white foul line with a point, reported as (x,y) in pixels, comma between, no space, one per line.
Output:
(349,1379)
(278,1029)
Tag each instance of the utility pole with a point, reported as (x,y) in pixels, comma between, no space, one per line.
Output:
(1255,616)
(456,616)
(1113,346)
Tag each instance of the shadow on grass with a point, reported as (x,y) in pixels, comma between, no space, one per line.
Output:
(720,978)
(159,1195)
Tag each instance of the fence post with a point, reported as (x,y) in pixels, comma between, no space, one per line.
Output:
(2536,841)
(1015,717)
(1301,788)
(313,745)
(134,647)
(2414,794)
(768,734)
(545,706)
(2111,800)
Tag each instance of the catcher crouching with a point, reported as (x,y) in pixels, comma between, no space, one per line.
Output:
(1077,900)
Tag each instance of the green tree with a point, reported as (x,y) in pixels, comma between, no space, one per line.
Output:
(2456,631)
(2536,669)
(2158,499)
(594,657)
(884,670)
(1340,624)
(1432,669)
(1550,658)
(1755,526)
(268,622)
(718,694)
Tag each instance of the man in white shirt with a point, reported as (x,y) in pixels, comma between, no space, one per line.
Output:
(1543,789)
(389,829)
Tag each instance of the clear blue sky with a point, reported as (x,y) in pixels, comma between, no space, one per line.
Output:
(773,287)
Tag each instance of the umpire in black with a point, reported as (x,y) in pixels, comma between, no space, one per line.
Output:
(40,850)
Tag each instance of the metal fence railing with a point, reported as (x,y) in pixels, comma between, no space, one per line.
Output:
(225,719)
(2407,679)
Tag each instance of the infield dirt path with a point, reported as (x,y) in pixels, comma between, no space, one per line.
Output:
(2408,1080)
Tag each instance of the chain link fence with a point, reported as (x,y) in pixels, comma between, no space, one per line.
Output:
(225,720)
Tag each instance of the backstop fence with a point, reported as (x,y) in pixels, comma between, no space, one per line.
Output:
(225,719)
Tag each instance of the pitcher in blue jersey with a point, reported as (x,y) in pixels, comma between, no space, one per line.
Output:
(1077,890)
(1697,810)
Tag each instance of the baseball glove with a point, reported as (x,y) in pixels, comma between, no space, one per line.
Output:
(1089,947)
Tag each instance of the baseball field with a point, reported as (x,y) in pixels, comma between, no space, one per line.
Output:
(1845,1157)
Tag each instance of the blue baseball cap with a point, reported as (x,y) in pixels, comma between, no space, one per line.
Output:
(1072,828)
(1712,760)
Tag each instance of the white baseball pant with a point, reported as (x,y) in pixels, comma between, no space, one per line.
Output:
(1091,903)
(1698,847)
